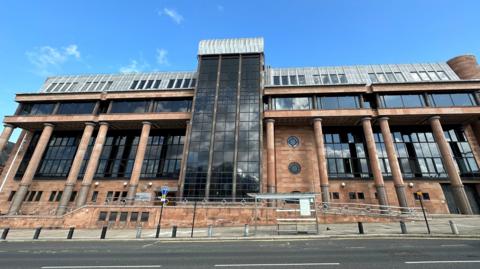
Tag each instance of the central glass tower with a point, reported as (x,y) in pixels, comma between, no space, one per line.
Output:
(224,150)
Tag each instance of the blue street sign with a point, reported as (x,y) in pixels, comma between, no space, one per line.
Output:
(164,190)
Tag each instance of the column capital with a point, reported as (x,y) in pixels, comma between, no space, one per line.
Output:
(104,123)
(89,123)
(434,118)
(146,123)
(384,118)
(317,119)
(366,118)
(269,120)
(48,124)
(9,125)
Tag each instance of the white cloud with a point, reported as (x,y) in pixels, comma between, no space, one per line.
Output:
(162,57)
(173,14)
(134,67)
(46,58)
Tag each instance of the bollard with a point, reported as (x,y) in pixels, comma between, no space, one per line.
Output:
(37,233)
(174,231)
(104,232)
(139,232)
(157,234)
(453,226)
(245,230)
(70,233)
(360,228)
(210,230)
(5,233)
(403,227)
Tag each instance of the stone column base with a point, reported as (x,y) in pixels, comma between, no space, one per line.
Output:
(18,199)
(132,190)
(82,195)
(67,193)
(325,193)
(461,200)
(382,197)
(401,196)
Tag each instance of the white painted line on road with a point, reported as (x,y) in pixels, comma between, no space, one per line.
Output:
(276,264)
(100,266)
(355,247)
(454,245)
(433,262)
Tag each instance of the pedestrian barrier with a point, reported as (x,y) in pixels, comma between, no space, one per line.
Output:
(403,227)
(36,235)
(104,232)
(174,231)
(453,226)
(360,228)
(70,233)
(5,233)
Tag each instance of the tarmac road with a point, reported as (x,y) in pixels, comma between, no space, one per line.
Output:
(255,254)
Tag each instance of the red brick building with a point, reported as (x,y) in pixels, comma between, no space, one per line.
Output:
(373,134)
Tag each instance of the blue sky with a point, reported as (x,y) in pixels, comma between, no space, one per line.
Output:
(42,38)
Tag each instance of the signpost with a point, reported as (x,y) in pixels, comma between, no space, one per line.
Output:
(420,197)
(163,199)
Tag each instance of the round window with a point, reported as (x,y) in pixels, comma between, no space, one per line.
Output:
(294,168)
(293,141)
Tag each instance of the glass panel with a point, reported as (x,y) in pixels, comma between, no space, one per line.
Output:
(442,100)
(129,107)
(348,102)
(172,106)
(329,102)
(292,103)
(373,77)
(412,100)
(76,108)
(284,80)
(462,99)
(390,101)
(276,80)
(415,76)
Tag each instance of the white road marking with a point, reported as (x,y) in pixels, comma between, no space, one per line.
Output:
(433,262)
(276,264)
(454,245)
(355,247)
(100,266)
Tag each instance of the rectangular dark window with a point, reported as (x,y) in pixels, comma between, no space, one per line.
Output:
(186,83)
(284,80)
(149,84)
(52,196)
(326,79)
(118,155)
(113,216)
(335,195)
(293,80)
(343,78)
(178,84)
(316,79)
(157,84)
(129,107)
(134,216)
(39,196)
(142,84)
(361,195)
(373,77)
(36,108)
(453,99)
(59,196)
(407,100)
(338,102)
(194,82)
(352,196)
(170,84)
(102,216)
(292,103)
(94,196)
(31,195)
(144,216)
(334,78)
(276,80)
(163,155)
(76,108)
(301,79)
(172,105)
(10,197)
(123,216)
(73,196)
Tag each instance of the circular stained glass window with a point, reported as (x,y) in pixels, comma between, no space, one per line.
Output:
(294,168)
(293,141)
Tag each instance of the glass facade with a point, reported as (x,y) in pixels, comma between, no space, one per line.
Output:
(452,99)
(337,102)
(76,108)
(224,151)
(172,105)
(346,154)
(402,100)
(163,155)
(118,155)
(36,108)
(292,103)
(129,106)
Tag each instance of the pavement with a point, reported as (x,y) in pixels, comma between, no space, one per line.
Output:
(468,227)
(259,253)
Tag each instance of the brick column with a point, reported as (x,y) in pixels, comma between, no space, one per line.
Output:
(92,164)
(31,168)
(393,161)
(6,133)
(322,161)
(137,165)
(75,168)
(271,174)
(374,165)
(476,129)
(456,184)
